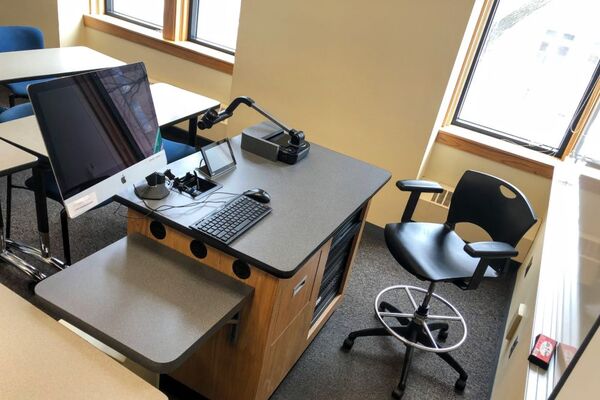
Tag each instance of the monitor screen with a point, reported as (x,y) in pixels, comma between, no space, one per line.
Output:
(95,124)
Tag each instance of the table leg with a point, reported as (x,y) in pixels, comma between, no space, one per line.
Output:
(193,123)
(8,204)
(41,208)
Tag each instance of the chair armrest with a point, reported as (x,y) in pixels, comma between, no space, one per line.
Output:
(487,251)
(416,187)
(419,186)
(490,250)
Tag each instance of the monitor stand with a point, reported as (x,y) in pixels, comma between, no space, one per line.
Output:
(155,187)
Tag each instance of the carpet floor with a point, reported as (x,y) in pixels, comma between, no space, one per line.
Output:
(371,370)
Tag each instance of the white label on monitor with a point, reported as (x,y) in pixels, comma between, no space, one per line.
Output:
(86,202)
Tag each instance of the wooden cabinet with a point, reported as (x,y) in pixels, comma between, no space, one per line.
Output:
(280,321)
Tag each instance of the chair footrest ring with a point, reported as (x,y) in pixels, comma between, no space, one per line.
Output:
(425,340)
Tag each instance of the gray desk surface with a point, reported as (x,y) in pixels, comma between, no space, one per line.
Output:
(33,64)
(13,159)
(171,103)
(310,200)
(149,302)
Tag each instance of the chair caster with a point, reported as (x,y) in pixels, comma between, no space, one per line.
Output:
(442,335)
(460,385)
(348,343)
(398,393)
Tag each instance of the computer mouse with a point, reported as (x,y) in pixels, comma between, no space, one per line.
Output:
(258,194)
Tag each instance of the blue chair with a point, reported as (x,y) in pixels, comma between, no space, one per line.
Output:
(176,151)
(16,112)
(17,38)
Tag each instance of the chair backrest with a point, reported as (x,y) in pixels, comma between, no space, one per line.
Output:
(15,38)
(493,204)
(18,111)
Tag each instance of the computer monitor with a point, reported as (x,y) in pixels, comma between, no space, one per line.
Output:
(100,131)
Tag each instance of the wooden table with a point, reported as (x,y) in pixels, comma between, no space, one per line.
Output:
(174,105)
(41,359)
(26,65)
(13,160)
(297,259)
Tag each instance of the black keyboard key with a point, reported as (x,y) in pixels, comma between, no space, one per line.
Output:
(243,225)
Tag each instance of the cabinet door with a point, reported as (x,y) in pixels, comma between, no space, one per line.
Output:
(511,373)
(293,294)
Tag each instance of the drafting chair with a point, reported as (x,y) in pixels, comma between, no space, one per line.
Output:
(17,38)
(435,253)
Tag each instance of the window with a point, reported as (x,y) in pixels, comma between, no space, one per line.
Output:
(210,23)
(148,13)
(214,23)
(533,73)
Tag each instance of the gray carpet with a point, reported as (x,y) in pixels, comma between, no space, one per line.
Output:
(371,369)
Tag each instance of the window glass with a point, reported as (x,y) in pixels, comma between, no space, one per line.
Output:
(532,72)
(148,12)
(215,22)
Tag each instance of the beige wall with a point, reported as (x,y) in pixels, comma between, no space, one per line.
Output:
(42,14)
(363,78)
(70,23)
(164,67)
(447,164)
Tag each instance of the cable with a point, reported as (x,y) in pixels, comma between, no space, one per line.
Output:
(166,207)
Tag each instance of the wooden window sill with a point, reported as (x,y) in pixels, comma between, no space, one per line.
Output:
(497,150)
(147,37)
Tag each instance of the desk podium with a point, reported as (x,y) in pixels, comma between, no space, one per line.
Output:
(297,260)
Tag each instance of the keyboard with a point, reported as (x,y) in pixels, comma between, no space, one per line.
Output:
(228,222)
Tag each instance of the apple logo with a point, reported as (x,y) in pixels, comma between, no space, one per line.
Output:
(123,180)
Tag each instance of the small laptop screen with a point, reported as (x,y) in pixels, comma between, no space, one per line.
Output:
(95,124)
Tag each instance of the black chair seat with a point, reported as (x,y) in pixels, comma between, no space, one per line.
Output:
(431,252)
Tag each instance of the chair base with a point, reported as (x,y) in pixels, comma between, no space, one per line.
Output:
(416,332)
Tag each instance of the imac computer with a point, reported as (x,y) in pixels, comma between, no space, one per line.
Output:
(100,131)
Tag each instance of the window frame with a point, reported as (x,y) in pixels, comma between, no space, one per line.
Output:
(193,25)
(578,122)
(171,40)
